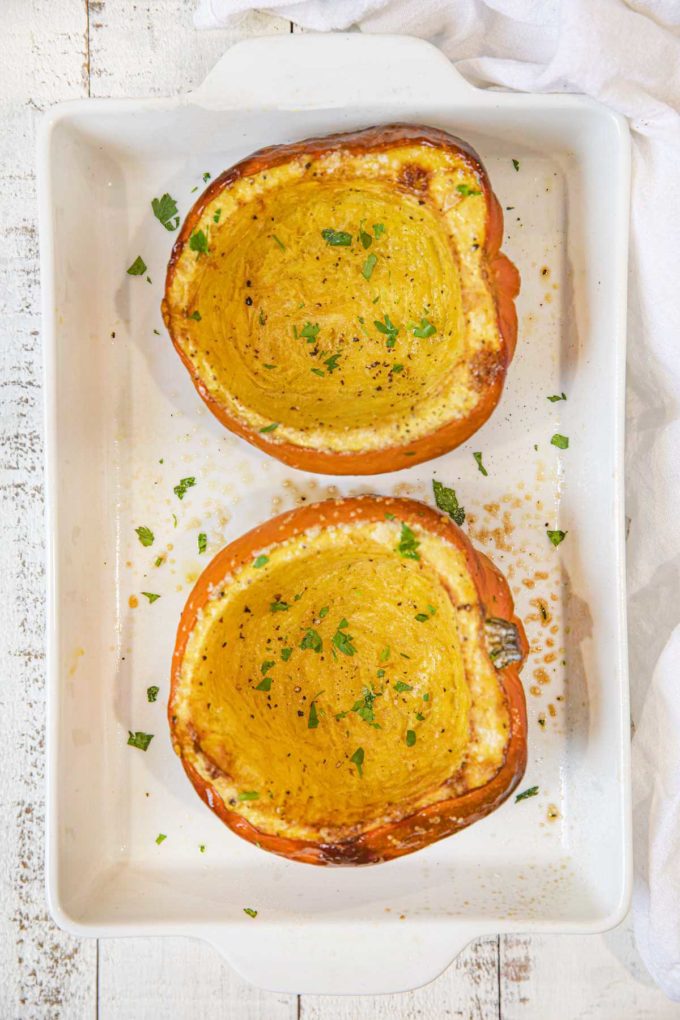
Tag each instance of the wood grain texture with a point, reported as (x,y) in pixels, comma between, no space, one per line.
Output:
(44,972)
(468,990)
(572,977)
(179,979)
(64,49)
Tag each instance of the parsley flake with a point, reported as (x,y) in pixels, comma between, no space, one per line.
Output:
(387,328)
(424,330)
(279,242)
(184,485)
(342,640)
(525,794)
(139,739)
(465,189)
(152,693)
(378,230)
(145,535)
(196,316)
(313,720)
(400,686)
(270,428)
(556,536)
(515,163)
(138,267)
(150,596)
(557,396)
(250,912)
(260,561)
(278,606)
(286,654)
(216,215)
(336,238)
(160,838)
(248,795)
(265,684)
(408,544)
(447,501)
(165,210)
(365,238)
(198,242)
(358,760)
(410,738)
(482,469)
(562,442)
(369,266)
(312,639)
(385,654)
(202,541)
(310,332)
(332,363)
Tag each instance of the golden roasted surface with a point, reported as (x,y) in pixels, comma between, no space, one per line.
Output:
(279,325)
(337,647)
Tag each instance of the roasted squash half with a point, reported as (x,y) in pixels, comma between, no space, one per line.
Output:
(345,682)
(342,302)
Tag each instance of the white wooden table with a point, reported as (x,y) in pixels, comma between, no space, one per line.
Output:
(54,50)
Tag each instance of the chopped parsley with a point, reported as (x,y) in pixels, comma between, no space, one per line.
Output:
(378,230)
(201,848)
(369,266)
(270,428)
(160,838)
(250,912)
(556,536)
(365,238)
(562,442)
(286,654)
(358,760)
(206,176)
(165,210)
(400,686)
(424,330)
(447,501)
(145,535)
(342,640)
(279,242)
(336,238)
(364,707)
(324,612)
(260,561)
(265,684)
(310,332)
(266,666)
(318,371)
(408,544)
(216,215)
(332,363)
(196,316)
(150,596)
(278,606)
(478,458)
(202,541)
(198,242)
(312,639)
(515,163)
(396,369)
(525,794)
(184,485)
(313,720)
(385,654)
(388,329)
(422,617)
(557,396)
(248,795)
(152,693)
(139,739)
(410,738)
(465,189)
(138,267)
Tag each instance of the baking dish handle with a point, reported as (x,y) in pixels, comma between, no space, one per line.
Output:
(313,71)
(341,959)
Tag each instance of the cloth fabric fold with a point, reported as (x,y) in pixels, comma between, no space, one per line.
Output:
(627,55)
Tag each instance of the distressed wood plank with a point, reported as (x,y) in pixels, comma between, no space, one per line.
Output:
(152,49)
(468,989)
(578,977)
(178,979)
(45,973)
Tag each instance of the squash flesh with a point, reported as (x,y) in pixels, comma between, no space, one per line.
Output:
(248,740)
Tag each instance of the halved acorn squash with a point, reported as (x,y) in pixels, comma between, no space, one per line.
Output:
(345,682)
(342,302)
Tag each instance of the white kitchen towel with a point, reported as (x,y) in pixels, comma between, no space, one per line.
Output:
(626,54)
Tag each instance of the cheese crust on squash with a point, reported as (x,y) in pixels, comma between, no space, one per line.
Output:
(342,302)
(336,696)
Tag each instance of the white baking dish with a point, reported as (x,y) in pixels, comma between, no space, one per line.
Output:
(123,425)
